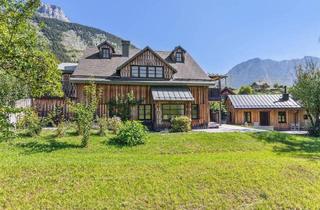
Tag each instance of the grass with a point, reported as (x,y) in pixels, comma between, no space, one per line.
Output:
(171,171)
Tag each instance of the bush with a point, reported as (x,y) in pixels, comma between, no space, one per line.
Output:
(114,124)
(103,126)
(181,124)
(54,117)
(84,112)
(61,129)
(313,131)
(84,120)
(5,126)
(131,133)
(31,122)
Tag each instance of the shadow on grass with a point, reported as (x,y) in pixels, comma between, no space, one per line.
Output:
(301,146)
(113,142)
(49,145)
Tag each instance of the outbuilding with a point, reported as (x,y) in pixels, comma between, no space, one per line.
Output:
(272,112)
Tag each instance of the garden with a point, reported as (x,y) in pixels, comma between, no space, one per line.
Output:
(170,170)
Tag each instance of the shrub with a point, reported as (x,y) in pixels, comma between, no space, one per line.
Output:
(181,124)
(31,122)
(84,112)
(121,106)
(5,125)
(131,133)
(84,119)
(114,124)
(61,129)
(314,131)
(56,116)
(103,126)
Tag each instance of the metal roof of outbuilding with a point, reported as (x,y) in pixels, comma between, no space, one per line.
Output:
(262,102)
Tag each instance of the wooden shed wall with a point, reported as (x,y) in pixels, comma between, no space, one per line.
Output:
(237,116)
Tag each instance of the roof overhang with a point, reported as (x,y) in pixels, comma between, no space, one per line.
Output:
(171,94)
(102,80)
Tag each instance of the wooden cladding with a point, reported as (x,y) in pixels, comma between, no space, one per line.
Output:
(238,117)
(141,93)
(147,59)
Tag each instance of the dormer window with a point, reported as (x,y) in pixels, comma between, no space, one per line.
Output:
(179,57)
(106,53)
(106,50)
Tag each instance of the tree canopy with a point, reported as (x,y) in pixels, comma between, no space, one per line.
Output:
(27,67)
(245,90)
(307,90)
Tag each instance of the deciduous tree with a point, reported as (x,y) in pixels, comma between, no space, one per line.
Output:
(307,90)
(25,61)
(27,67)
(245,90)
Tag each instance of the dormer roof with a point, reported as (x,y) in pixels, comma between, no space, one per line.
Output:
(106,43)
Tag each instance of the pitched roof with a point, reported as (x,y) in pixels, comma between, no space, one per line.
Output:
(171,94)
(141,52)
(262,102)
(189,70)
(92,66)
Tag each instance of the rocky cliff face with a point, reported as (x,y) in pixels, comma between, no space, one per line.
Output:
(270,71)
(66,39)
(52,11)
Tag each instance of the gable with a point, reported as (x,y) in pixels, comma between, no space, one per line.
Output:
(146,57)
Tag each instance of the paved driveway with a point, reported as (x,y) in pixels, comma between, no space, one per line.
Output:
(228,128)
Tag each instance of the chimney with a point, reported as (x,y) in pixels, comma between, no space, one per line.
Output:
(125,48)
(285,95)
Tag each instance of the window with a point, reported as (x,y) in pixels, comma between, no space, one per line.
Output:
(151,72)
(134,71)
(195,111)
(143,71)
(282,117)
(172,110)
(147,72)
(106,53)
(144,111)
(159,72)
(247,117)
(179,57)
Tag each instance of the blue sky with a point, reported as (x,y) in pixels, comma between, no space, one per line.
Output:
(218,33)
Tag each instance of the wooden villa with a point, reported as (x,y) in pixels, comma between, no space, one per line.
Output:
(168,83)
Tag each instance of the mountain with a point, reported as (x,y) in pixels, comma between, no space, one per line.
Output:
(270,71)
(68,40)
(52,11)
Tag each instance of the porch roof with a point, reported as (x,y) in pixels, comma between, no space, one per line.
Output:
(171,94)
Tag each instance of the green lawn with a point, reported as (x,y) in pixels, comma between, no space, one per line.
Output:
(171,171)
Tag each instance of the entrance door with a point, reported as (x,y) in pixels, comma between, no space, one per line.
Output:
(264,118)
